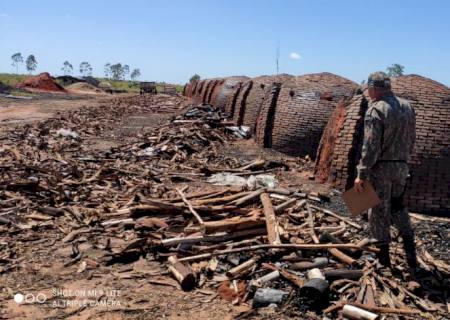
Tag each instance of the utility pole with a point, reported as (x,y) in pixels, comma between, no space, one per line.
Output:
(278,57)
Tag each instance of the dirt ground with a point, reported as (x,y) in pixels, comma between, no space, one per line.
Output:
(42,106)
(136,289)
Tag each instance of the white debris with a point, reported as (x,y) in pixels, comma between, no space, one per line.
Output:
(227,179)
(253,182)
(242,132)
(67,133)
(262,181)
(147,152)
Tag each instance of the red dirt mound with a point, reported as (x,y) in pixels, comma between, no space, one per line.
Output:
(41,82)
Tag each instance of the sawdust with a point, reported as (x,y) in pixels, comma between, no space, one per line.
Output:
(84,87)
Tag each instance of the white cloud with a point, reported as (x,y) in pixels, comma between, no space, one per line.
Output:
(294,56)
(4,15)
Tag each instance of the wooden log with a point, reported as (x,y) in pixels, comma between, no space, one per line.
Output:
(266,296)
(384,309)
(54,212)
(4,220)
(213,195)
(221,199)
(286,274)
(142,210)
(223,236)
(352,312)
(284,205)
(319,262)
(115,222)
(243,268)
(229,225)
(328,238)
(331,213)
(271,220)
(338,254)
(197,195)
(343,274)
(247,198)
(314,290)
(303,228)
(155,207)
(302,246)
(281,191)
(255,164)
(255,172)
(369,296)
(191,209)
(266,278)
(277,196)
(220,208)
(229,245)
(333,251)
(182,273)
(361,293)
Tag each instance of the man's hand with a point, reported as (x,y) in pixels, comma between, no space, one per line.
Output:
(359,185)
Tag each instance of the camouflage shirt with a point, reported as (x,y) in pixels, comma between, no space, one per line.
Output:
(389,133)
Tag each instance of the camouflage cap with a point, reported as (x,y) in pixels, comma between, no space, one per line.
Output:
(379,79)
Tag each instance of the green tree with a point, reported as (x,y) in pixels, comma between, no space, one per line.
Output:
(116,71)
(395,70)
(107,70)
(125,70)
(17,60)
(67,68)
(135,74)
(31,63)
(85,69)
(195,78)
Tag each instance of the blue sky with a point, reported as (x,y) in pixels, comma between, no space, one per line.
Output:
(171,40)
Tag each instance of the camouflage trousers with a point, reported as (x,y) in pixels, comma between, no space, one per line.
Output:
(389,182)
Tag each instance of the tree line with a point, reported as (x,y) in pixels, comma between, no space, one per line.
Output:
(30,62)
(117,71)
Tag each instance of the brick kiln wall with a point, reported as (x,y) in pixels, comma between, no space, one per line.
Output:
(203,93)
(241,106)
(430,163)
(428,191)
(265,119)
(209,83)
(226,89)
(216,91)
(249,101)
(197,97)
(303,107)
(339,148)
(211,89)
(189,88)
(193,88)
(325,151)
(230,107)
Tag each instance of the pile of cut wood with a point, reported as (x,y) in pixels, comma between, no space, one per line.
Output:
(260,246)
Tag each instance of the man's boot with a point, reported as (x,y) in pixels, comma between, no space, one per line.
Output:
(410,251)
(383,255)
(411,258)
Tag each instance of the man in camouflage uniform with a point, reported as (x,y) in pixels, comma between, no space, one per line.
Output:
(389,135)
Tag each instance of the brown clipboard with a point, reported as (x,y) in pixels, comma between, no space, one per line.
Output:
(359,202)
